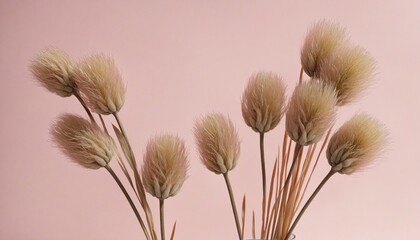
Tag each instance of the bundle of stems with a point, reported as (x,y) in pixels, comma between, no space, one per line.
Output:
(337,73)
(96,83)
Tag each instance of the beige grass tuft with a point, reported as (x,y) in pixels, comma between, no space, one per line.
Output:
(349,71)
(82,141)
(165,166)
(311,111)
(217,142)
(355,144)
(320,43)
(54,70)
(263,101)
(101,84)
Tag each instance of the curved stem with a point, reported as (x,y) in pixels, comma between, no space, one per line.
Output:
(137,178)
(292,167)
(103,123)
(162,218)
(107,167)
(308,202)
(264,182)
(232,202)
(285,189)
(77,95)
(301,75)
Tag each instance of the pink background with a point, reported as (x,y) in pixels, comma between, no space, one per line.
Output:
(181,60)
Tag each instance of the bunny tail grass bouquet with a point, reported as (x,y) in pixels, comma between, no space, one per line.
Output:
(337,72)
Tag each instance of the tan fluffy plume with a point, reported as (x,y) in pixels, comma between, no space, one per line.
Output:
(101,84)
(165,166)
(263,101)
(320,43)
(349,71)
(355,144)
(217,142)
(82,141)
(311,111)
(54,70)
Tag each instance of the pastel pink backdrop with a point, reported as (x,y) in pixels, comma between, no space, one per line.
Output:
(181,60)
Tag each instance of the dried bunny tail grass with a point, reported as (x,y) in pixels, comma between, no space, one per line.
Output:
(320,43)
(356,144)
(349,71)
(217,142)
(263,101)
(165,166)
(311,111)
(82,141)
(54,70)
(101,84)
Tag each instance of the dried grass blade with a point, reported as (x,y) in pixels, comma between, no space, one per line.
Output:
(103,124)
(306,165)
(253,224)
(143,202)
(125,147)
(243,215)
(173,232)
(315,164)
(288,217)
(125,171)
(270,194)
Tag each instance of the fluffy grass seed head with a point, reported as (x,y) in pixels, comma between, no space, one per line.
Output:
(82,141)
(355,144)
(263,101)
(101,84)
(217,142)
(320,43)
(349,71)
(54,70)
(311,111)
(165,166)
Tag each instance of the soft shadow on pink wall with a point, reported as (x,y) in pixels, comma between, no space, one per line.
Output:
(180,61)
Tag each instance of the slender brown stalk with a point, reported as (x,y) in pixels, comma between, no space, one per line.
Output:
(308,202)
(301,75)
(173,231)
(77,95)
(162,218)
(278,213)
(293,166)
(107,167)
(243,215)
(253,225)
(120,125)
(137,179)
(270,196)
(264,183)
(103,123)
(327,137)
(232,201)
(285,191)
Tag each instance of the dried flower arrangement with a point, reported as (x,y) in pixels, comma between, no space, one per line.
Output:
(337,72)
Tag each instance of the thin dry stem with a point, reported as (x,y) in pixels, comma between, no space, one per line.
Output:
(264,180)
(327,177)
(173,231)
(253,225)
(103,124)
(107,167)
(232,201)
(314,166)
(138,181)
(77,95)
(243,216)
(162,218)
